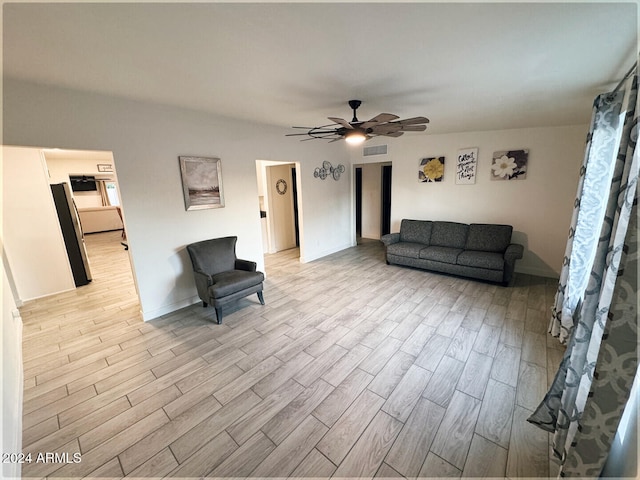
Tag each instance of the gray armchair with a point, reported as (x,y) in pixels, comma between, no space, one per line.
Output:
(221,277)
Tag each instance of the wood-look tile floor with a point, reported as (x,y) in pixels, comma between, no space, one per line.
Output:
(353,368)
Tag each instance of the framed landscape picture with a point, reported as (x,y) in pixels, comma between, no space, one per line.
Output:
(201,182)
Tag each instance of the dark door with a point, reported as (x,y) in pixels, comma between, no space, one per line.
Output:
(294,192)
(386,200)
(358,201)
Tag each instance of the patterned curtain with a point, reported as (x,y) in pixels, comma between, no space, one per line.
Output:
(586,399)
(588,209)
(615,369)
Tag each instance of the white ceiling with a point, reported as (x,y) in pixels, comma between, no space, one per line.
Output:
(466,66)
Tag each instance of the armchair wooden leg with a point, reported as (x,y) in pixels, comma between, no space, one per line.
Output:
(219,315)
(261,297)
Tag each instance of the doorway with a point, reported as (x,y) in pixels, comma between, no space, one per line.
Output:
(34,240)
(372,200)
(279,205)
(97,203)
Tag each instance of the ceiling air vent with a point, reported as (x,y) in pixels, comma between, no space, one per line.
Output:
(375,150)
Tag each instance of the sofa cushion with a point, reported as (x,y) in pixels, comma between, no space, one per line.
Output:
(416,231)
(488,238)
(449,234)
(473,258)
(440,254)
(405,249)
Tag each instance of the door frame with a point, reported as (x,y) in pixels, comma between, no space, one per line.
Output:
(266,190)
(386,193)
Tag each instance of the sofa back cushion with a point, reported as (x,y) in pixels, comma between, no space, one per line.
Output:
(415,231)
(488,238)
(449,234)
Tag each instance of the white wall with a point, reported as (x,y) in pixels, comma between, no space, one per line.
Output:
(12,379)
(31,229)
(146,140)
(327,218)
(539,207)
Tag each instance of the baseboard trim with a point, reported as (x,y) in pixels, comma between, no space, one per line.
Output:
(324,253)
(538,272)
(21,301)
(168,308)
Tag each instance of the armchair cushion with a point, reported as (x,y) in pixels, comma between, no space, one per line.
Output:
(226,283)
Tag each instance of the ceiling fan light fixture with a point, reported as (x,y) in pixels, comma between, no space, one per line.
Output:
(355,137)
(356,132)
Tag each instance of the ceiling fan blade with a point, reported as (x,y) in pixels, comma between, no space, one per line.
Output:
(315,132)
(385,128)
(340,121)
(413,128)
(378,119)
(391,134)
(412,121)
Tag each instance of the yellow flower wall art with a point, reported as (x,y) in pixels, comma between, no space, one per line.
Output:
(510,165)
(431,169)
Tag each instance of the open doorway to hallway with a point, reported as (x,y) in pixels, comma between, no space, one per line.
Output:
(278,195)
(39,193)
(372,200)
(95,192)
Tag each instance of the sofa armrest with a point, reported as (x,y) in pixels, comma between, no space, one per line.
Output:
(390,239)
(513,252)
(246,265)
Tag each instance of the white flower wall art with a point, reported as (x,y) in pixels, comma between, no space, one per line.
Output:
(510,165)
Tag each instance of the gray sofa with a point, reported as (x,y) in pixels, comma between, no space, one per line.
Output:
(482,251)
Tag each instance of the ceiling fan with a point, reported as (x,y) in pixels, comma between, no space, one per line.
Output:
(355,131)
